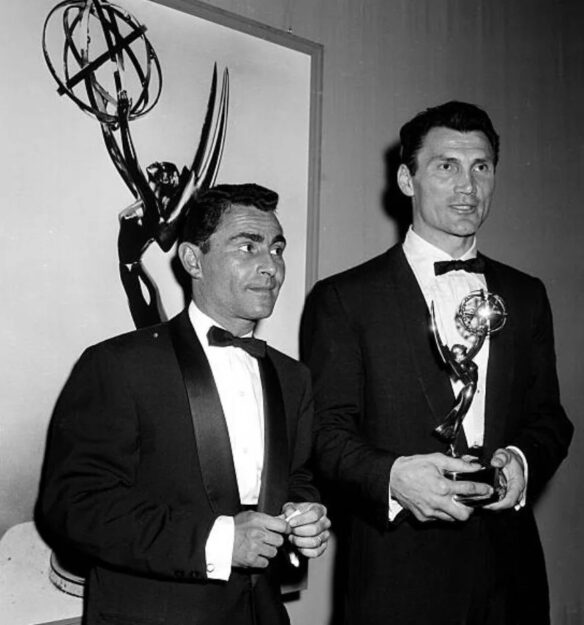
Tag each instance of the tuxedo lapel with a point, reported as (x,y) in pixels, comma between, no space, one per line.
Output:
(274,489)
(431,375)
(211,434)
(500,367)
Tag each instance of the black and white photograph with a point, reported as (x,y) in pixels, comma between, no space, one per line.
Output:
(291,314)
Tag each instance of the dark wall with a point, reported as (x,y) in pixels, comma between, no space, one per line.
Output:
(523,60)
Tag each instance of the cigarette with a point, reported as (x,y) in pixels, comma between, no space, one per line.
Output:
(292,555)
(292,515)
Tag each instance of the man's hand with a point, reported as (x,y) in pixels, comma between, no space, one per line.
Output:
(133,240)
(418,484)
(511,463)
(257,538)
(309,527)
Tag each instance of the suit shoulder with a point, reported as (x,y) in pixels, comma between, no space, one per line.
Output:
(287,366)
(367,272)
(132,342)
(513,275)
(280,359)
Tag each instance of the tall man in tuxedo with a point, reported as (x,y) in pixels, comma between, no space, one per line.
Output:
(416,553)
(178,454)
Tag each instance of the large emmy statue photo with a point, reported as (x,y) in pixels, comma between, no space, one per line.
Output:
(100,57)
(109,69)
(479,315)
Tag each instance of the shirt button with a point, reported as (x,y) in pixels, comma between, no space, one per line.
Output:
(210,568)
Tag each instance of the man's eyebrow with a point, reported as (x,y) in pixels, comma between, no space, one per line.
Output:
(250,236)
(445,157)
(455,159)
(257,238)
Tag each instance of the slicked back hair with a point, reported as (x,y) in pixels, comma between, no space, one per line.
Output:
(459,116)
(205,211)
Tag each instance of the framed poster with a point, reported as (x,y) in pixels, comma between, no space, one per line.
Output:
(273,134)
(59,257)
(272,129)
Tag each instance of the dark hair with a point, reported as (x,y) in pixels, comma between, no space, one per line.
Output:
(206,210)
(459,116)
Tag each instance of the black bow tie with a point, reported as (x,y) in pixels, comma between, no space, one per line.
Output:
(472,265)
(222,338)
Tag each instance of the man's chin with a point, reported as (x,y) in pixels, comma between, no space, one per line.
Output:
(261,312)
(466,229)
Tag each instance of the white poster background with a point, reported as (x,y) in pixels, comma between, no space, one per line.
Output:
(61,196)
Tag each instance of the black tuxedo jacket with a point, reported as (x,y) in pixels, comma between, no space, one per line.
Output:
(139,466)
(380,390)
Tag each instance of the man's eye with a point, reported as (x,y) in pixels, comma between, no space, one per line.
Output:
(483,168)
(445,166)
(247,247)
(277,251)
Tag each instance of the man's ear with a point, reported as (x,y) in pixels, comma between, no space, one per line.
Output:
(190,258)
(404,180)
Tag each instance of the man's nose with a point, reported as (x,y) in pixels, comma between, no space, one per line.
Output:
(465,182)
(267,265)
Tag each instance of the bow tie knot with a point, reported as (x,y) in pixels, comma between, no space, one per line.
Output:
(219,337)
(472,265)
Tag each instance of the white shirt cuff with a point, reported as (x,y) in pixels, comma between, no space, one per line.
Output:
(219,548)
(523,497)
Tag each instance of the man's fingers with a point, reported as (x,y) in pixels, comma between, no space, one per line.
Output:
(259,562)
(272,538)
(311,515)
(309,542)
(257,538)
(313,553)
(467,488)
(267,551)
(501,458)
(458,465)
(443,509)
(262,521)
(272,523)
(311,546)
(312,529)
(512,495)
(305,514)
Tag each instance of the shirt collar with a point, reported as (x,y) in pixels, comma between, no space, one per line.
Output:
(201,323)
(422,255)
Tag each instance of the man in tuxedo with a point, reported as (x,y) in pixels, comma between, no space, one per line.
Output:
(415,553)
(178,454)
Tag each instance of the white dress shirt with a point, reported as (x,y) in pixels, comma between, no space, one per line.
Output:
(238,382)
(447,292)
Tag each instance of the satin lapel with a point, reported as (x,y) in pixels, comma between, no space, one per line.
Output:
(211,434)
(500,368)
(274,489)
(432,375)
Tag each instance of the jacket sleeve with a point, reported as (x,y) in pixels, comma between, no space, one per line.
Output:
(91,496)
(330,346)
(301,483)
(544,431)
